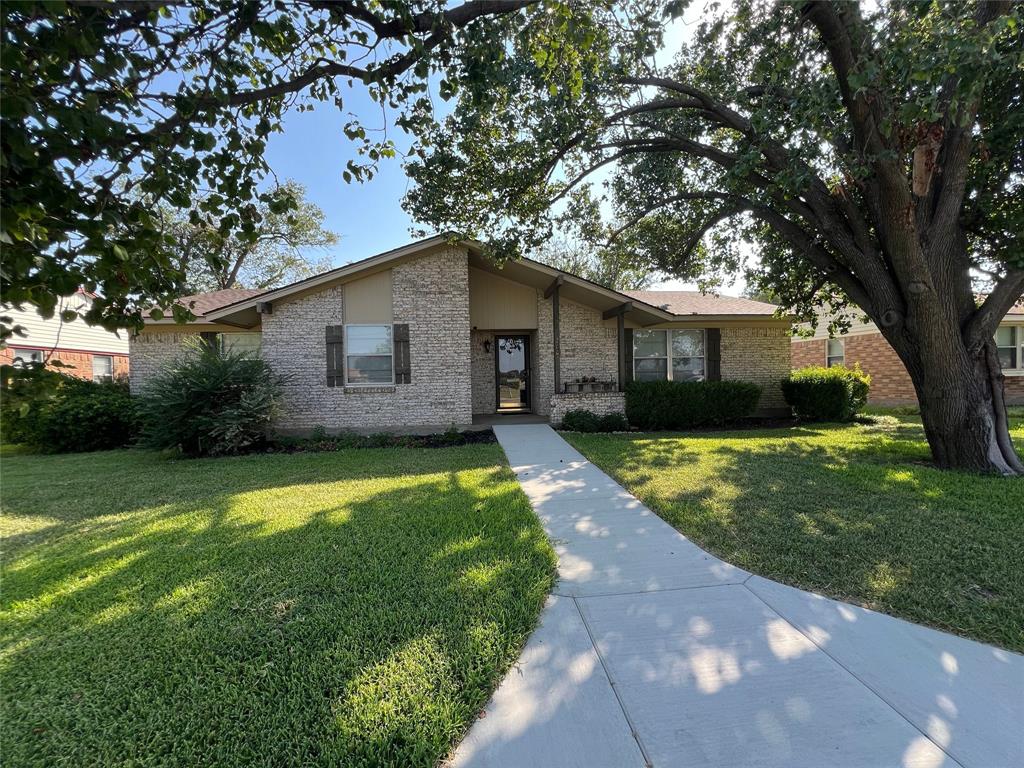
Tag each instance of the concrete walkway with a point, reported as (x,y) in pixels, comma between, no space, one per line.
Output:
(653,652)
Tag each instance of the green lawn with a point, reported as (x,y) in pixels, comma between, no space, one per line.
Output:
(853,512)
(352,608)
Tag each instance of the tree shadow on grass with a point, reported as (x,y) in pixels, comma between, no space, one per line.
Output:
(230,629)
(864,520)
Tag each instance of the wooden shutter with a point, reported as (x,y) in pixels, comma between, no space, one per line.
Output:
(403,364)
(335,356)
(627,338)
(713,354)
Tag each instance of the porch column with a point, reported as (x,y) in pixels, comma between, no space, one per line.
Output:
(619,313)
(556,330)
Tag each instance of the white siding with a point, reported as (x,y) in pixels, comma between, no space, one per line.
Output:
(56,334)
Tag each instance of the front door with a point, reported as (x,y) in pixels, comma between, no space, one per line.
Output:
(512,372)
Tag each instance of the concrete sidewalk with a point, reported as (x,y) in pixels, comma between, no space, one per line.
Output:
(653,652)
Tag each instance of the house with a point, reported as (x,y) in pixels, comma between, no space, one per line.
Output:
(88,351)
(864,345)
(434,334)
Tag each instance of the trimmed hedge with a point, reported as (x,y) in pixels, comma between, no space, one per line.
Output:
(581,420)
(827,394)
(55,413)
(653,405)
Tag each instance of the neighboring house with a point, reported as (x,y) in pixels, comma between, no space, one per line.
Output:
(433,334)
(865,346)
(88,351)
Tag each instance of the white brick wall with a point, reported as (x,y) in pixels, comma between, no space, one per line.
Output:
(601,403)
(431,294)
(150,352)
(482,365)
(760,354)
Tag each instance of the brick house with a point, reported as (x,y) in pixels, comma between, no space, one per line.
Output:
(87,351)
(433,334)
(865,346)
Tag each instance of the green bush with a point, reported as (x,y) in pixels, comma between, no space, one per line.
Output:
(56,413)
(653,405)
(581,420)
(827,394)
(210,403)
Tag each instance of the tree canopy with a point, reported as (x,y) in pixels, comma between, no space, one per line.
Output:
(113,109)
(873,153)
(284,249)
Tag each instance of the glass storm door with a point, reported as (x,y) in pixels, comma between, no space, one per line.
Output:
(512,364)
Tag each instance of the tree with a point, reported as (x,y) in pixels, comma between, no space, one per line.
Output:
(278,254)
(611,267)
(875,155)
(107,103)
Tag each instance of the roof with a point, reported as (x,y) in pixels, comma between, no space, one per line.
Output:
(203,303)
(239,306)
(697,303)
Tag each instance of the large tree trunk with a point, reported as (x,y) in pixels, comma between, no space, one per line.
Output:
(963,409)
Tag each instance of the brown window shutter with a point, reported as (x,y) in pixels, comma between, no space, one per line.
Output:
(403,363)
(628,342)
(713,354)
(335,356)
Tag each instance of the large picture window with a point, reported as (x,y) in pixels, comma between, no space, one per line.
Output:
(21,357)
(676,355)
(368,354)
(1009,340)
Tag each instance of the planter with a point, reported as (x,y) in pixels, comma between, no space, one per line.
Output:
(574,387)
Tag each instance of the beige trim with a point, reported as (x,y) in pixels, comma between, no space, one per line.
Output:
(199,327)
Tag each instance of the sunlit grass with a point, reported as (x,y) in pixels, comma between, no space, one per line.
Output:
(854,512)
(352,608)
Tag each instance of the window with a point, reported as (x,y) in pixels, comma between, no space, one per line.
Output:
(835,353)
(102,368)
(674,355)
(650,355)
(240,343)
(20,357)
(1008,342)
(688,355)
(368,354)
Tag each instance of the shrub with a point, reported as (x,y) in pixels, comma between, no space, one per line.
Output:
(827,394)
(653,405)
(210,403)
(581,420)
(55,413)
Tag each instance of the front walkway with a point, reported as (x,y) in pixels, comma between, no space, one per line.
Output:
(653,652)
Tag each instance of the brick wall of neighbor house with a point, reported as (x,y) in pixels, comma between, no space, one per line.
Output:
(150,351)
(890,382)
(431,294)
(808,352)
(79,363)
(1014,389)
(760,354)
(600,403)
(589,348)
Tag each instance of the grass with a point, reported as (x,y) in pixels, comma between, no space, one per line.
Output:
(352,608)
(850,511)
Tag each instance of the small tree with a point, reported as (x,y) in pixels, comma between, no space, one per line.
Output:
(875,154)
(210,403)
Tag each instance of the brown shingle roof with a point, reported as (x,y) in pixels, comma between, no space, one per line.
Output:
(695,302)
(207,302)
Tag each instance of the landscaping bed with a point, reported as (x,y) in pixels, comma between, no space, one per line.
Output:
(346,608)
(855,512)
